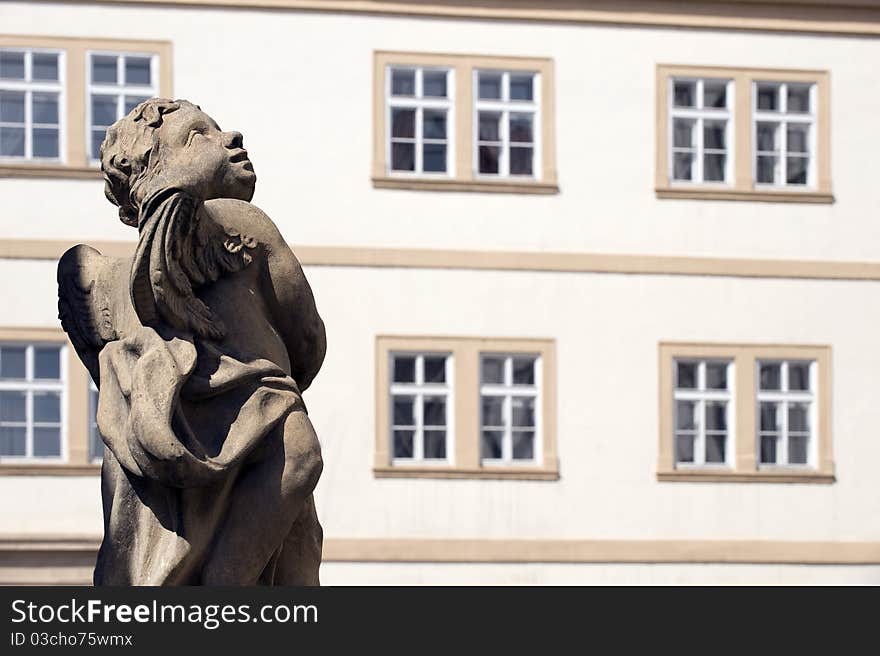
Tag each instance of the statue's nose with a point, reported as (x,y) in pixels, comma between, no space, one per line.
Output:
(234,139)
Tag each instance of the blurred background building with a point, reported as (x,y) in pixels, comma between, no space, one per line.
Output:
(600,279)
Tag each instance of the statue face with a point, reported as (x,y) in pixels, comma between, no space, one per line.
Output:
(197,157)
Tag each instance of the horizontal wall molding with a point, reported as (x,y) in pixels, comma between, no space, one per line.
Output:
(378,550)
(414,258)
(860,17)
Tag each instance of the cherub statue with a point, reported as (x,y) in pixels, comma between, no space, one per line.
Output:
(201,346)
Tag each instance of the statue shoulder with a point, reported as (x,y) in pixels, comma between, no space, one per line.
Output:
(241,219)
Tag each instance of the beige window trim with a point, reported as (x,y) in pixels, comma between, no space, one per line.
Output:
(75,160)
(75,461)
(464,178)
(745,467)
(742,186)
(465,420)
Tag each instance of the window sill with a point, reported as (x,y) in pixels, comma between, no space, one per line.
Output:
(32,170)
(781,475)
(49,469)
(451,184)
(510,473)
(757,195)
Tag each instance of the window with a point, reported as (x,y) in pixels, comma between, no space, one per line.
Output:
(420,400)
(786,403)
(459,407)
(506,117)
(462,123)
(31,90)
(741,412)
(509,402)
(96,444)
(31,393)
(58,95)
(750,134)
(700,130)
(702,411)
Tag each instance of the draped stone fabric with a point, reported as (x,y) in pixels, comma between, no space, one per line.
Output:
(180,419)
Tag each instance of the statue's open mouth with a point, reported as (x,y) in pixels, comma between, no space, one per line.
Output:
(241,155)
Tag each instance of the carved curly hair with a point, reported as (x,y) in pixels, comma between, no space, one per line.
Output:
(126,154)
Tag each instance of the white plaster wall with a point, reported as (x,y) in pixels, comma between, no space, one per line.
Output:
(298,85)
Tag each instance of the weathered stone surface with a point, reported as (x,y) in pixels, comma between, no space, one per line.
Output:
(201,345)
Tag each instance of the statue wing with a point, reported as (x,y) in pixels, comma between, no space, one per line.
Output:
(82,304)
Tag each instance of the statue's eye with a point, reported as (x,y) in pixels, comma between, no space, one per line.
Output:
(192,134)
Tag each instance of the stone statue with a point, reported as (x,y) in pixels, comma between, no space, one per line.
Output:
(201,346)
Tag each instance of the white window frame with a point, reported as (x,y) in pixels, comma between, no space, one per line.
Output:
(419,390)
(29,87)
(29,385)
(505,106)
(784,397)
(508,390)
(119,89)
(783,118)
(419,103)
(700,395)
(699,114)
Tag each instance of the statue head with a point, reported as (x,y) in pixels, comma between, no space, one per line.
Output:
(164,144)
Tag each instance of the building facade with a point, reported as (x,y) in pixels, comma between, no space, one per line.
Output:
(599,281)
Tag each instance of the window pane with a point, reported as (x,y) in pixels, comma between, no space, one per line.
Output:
(490,126)
(715,448)
(798,138)
(523,371)
(523,445)
(716,416)
(104,69)
(434,158)
(45,108)
(434,84)
(45,142)
(684,448)
(521,128)
(714,135)
(685,94)
(12,406)
(12,65)
(12,106)
(716,375)
(434,124)
(490,445)
(769,420)
(685,415)
(434,411)
(492,371)
(521,87)
(798,98)
(403,123)
(133,101)
(97,139)
(137,70)
(12,441)
(766,169)
(12,362)
(11,142)
(799,417)
(435,444)
(771,376)
(404,369)
(493,410)
(490,86)
(103,110)
(682,166)
(713,167)
(683,135)
(768,449)
(47,407)
(715,94)
(45,66)
(768,97)
(489,159)
(686,375)
(797,449)
(796,170)
(47,441)
(523,411)
(521,161)
(403,156)
(403,443)
(403,83)
(766,133)
(435,369)
(404,411)
(799,376)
